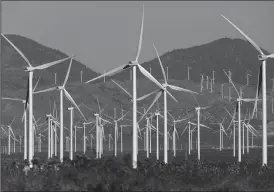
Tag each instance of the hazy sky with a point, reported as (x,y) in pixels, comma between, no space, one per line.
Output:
(105,34)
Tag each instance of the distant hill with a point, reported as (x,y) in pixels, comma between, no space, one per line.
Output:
(234,54)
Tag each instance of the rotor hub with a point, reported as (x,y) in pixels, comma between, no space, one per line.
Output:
(262,57)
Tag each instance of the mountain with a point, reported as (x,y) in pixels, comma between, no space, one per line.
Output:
(216,55)
(236,55)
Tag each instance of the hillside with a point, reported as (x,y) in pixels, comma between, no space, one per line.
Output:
(236,55)
(204,58)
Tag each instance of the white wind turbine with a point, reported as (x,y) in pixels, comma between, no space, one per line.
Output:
(164,89)
(81,75)
(91,138)
(234,131)
(222,90)
(202,82)
(247,78)
(213,77)
(262,57)
(221,131)
(133,64)
(121,134)
(25,123)
(211,84)
(109,143)
(10,131)
(272,84)
(63,91)
(30,69)
(175,121)
(198,123)
(238,109)
(195,128)
(71,134)
(188,68)
(189,136)
(130,96)
(55,78)
(75,137)
(229,93)
(116,130)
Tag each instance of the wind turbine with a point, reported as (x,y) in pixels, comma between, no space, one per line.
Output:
(234,134)
(222,90)
(207,82)
(164,89)
(25,123)
(198,123)
(130,96)
(262,57)
(30,69)
(238,109)
(213,77)
(71,134)
(202,82)
(272,84)
(81,73)
(188,68)
(247,78)
(63,91)
(122,136)
(109,138)
(55,78)
(115,121)
(222,130)
(189,136)
(133,64)
(175,121)
(10,131)
(229,93)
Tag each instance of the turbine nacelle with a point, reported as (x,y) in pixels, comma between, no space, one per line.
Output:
(133,63)
(60,87)
(262,57)
(28,69)
(70,108)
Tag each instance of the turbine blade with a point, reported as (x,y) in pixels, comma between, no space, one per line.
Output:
(18,50)
(68,71)
(184,130)
(45,90)
(47,65)
(176,88)
(271,56)
(147,95)
(13,99)
(202,125)
(151,105)
(36,83)
(111,72)
(245,35)
(122,88)
(258,91)
(73,102)
(141,36)
(171,95)
(232,83)
(163,70)
(150,77)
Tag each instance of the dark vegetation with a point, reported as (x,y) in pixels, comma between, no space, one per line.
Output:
(116,174)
